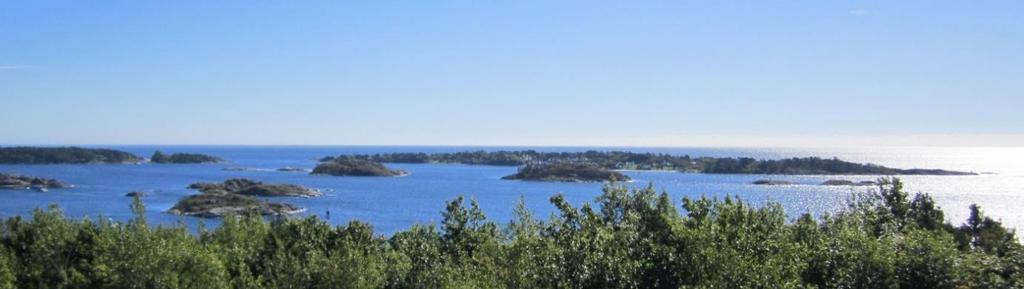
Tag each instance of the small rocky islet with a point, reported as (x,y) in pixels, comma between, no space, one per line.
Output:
(220,204)
(293,169)
(848,183)
(772,182)
(579,172)
(249,187)
(18,182)
(235,196)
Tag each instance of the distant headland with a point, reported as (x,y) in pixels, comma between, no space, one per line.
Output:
(25,155)
(64,155)
(622,160)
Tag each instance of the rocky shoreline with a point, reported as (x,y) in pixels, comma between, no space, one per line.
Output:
(17,182)
(238,196)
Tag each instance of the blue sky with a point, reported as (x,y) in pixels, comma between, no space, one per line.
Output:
(665,73)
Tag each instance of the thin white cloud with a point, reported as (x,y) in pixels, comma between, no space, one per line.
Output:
(859,12)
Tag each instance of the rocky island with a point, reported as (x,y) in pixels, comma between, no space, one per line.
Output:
(64,155)
(566,172)
(183,158)
(772,183)
(219,204)
(848,183)
(255,188)
(352,166)
(16,182)
(236,196)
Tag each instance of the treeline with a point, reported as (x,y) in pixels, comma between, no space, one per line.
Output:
(618,160)
(627,239)
(63,155)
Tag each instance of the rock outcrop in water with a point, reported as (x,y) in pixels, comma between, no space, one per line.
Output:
(349,166)
(183,158)
(12,181)
(566,172)
(64,155)
(237,196)
(848,183)
(255,188)
(772,183)
(220,203)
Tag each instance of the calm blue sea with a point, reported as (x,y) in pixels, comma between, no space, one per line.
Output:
(393,204)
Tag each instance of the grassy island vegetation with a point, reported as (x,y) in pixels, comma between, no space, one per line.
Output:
(64,155)
(620,160)
(627,239)
(183,158)
(352,166)
(563,171)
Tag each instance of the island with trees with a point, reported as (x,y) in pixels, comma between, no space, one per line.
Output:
(219,204)
(64,155)
(566,171)
(767,182)
(622,160)
(249,187)
(235,196)
(354,166)
(183,158)
(626,238)
(15,182)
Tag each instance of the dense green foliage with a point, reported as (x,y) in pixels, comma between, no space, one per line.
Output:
(564,171)
(649,161)
(350,166)
(63,155)
(183,158)
(628,239)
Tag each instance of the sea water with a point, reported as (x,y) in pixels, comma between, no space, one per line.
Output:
(392,204)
